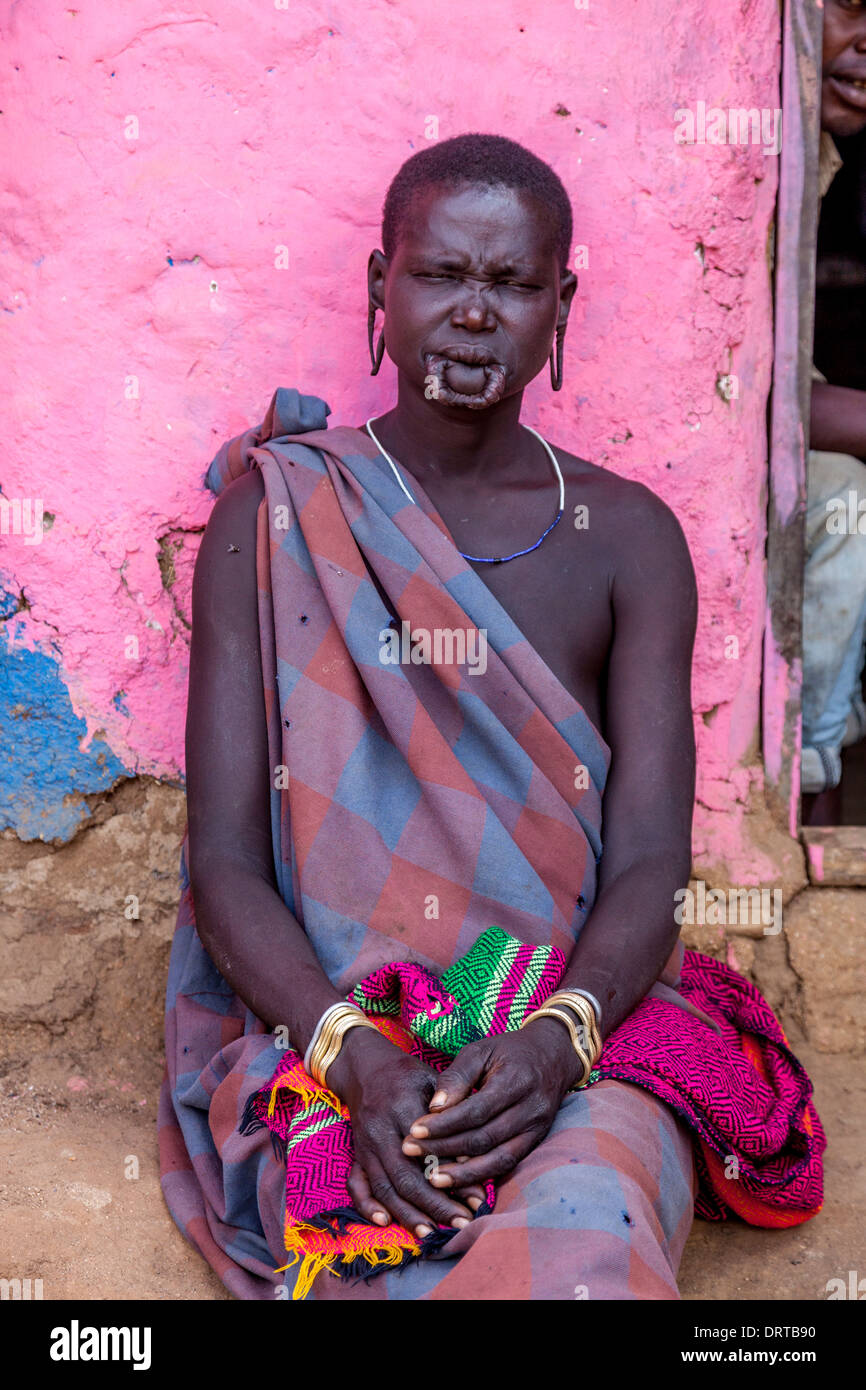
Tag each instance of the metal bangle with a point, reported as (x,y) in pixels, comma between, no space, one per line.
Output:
(549,1012)
(317,1032)
(593,1001)
(331,1042)
(583,1009)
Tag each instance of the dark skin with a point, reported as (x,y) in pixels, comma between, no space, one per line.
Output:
(612,611)
(838,413)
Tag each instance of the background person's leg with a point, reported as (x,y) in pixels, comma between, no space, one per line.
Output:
(834,611)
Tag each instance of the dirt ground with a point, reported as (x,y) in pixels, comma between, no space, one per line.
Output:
(75,1131)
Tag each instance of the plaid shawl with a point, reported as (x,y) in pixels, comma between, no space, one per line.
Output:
(484,818)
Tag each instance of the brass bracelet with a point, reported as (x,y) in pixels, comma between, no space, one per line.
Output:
(321,1063)
(547,1012)
(586,1013)
(316,1033)
(330,1042)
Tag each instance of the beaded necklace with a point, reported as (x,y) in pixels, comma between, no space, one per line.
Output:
(488,559)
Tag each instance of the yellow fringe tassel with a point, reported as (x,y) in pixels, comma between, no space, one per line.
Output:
(302,1084)
(300,1238)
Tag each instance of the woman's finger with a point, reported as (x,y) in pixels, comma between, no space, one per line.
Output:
(473,1196)
(496,1164)
(414,1204)
(368,1206)
(472,1142)
(498,1092)
(461,1077)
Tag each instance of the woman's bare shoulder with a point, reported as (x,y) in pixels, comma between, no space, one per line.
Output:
(239,502)
(225,571)
(231,527)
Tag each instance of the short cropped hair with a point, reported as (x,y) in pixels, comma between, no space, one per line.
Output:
(493,160)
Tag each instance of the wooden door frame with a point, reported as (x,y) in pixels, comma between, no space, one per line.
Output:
(835,855)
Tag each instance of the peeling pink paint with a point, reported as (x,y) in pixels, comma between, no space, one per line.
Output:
(136,134)
(816,862)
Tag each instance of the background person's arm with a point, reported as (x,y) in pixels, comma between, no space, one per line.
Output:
(838,419)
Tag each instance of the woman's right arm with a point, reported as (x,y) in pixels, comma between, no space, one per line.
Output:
(249,933)
(256,943)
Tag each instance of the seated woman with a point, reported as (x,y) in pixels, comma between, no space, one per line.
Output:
(356,800)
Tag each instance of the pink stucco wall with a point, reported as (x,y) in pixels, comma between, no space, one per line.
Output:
(155,159)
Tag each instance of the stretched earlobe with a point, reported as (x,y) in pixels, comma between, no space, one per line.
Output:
(377,353)
(556,370)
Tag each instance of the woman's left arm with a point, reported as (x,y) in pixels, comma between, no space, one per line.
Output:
(522,1077)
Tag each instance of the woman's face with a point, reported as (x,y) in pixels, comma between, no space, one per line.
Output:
(472,294)
(843,99)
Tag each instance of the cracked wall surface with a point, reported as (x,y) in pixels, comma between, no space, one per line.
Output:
(86,928)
